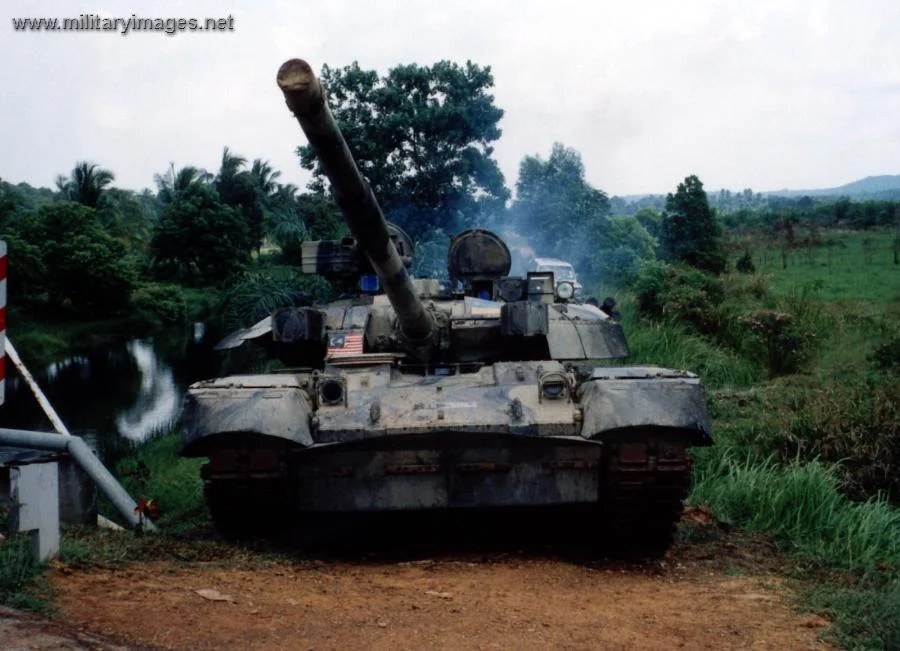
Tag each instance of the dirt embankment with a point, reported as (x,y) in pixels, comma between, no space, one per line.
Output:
(480,602)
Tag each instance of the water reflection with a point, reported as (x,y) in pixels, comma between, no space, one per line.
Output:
(124,390)
(158,400)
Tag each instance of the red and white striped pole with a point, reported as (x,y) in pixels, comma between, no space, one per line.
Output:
(2,319)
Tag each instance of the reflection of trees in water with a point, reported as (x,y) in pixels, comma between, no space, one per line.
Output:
(190,359)
(86,390)
(158,400)
(126,389)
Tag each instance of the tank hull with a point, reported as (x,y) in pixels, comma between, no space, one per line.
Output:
(616,441)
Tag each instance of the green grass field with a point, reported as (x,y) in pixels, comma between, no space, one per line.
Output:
(858,270)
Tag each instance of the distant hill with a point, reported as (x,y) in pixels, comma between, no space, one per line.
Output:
(885,186)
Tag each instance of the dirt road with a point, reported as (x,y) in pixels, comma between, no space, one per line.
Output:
(691,600)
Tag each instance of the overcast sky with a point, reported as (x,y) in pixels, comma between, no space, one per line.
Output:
(766,94)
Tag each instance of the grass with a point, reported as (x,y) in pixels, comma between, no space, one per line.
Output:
(801,506)
(850,549)
(22,579)
(792,451)
(670,345)
(153,470)
(857,270)
(865,614)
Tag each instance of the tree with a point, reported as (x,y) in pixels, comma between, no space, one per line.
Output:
(559,212)
(172,184)
(264,178)
(246,190)
(198,238)
(85,184)
(422,138)
(690,231)
(651,219)
(63,252)
(127,216)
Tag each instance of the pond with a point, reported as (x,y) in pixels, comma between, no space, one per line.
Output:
(126,390)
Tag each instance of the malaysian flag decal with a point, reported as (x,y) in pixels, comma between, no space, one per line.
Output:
(346,343)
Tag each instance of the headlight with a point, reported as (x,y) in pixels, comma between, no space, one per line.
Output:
(554,386)
(565,290)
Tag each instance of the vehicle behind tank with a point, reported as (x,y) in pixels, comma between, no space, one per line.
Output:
(486,391)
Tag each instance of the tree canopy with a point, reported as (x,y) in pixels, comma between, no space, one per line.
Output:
(198,238)
(690,231)
(563,216)
(556,207)
(85,183)
(421,135)
(62,255)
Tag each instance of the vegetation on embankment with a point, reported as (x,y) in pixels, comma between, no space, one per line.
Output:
(801,359)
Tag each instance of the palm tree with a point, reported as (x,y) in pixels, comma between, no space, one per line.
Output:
(229,171)
(264,177)
(85,184)
(174,184)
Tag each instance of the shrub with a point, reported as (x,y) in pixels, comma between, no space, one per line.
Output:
(681,293)
(887,355)
(159,304)
(62,252)
(777,340)
(745,263)
(853,424)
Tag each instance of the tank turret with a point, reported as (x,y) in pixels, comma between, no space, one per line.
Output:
(306,99)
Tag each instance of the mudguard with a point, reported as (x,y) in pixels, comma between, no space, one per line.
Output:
(268,405)
(617,398)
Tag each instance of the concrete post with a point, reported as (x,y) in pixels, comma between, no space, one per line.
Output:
(34,491)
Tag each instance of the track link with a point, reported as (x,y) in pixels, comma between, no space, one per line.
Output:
(643,487)
(247,495)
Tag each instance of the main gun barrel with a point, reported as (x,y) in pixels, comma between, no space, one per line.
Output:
(306,99)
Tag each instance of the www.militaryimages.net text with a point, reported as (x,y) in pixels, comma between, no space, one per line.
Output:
(124,26)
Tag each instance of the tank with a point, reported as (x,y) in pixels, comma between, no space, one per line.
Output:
(486,391)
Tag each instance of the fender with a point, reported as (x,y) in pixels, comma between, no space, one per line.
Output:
(272,406)
(617,398)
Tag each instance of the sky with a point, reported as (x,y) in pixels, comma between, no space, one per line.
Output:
(769,94)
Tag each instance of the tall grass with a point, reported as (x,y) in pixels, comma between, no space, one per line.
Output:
(800,505)
(153,470)
(21,576)
(671,345)
(865,615)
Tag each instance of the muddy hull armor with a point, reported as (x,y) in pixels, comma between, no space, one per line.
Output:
(484,392)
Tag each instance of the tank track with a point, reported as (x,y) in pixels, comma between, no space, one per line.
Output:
(643,486)
(245,502)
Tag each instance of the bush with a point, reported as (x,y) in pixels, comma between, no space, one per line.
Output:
(62,252)
(851,423)
(159,304)
(777,340)
(745,264)
(681,293)
(887,355)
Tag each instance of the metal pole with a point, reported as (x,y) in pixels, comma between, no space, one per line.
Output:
(55,420)
(87,460)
